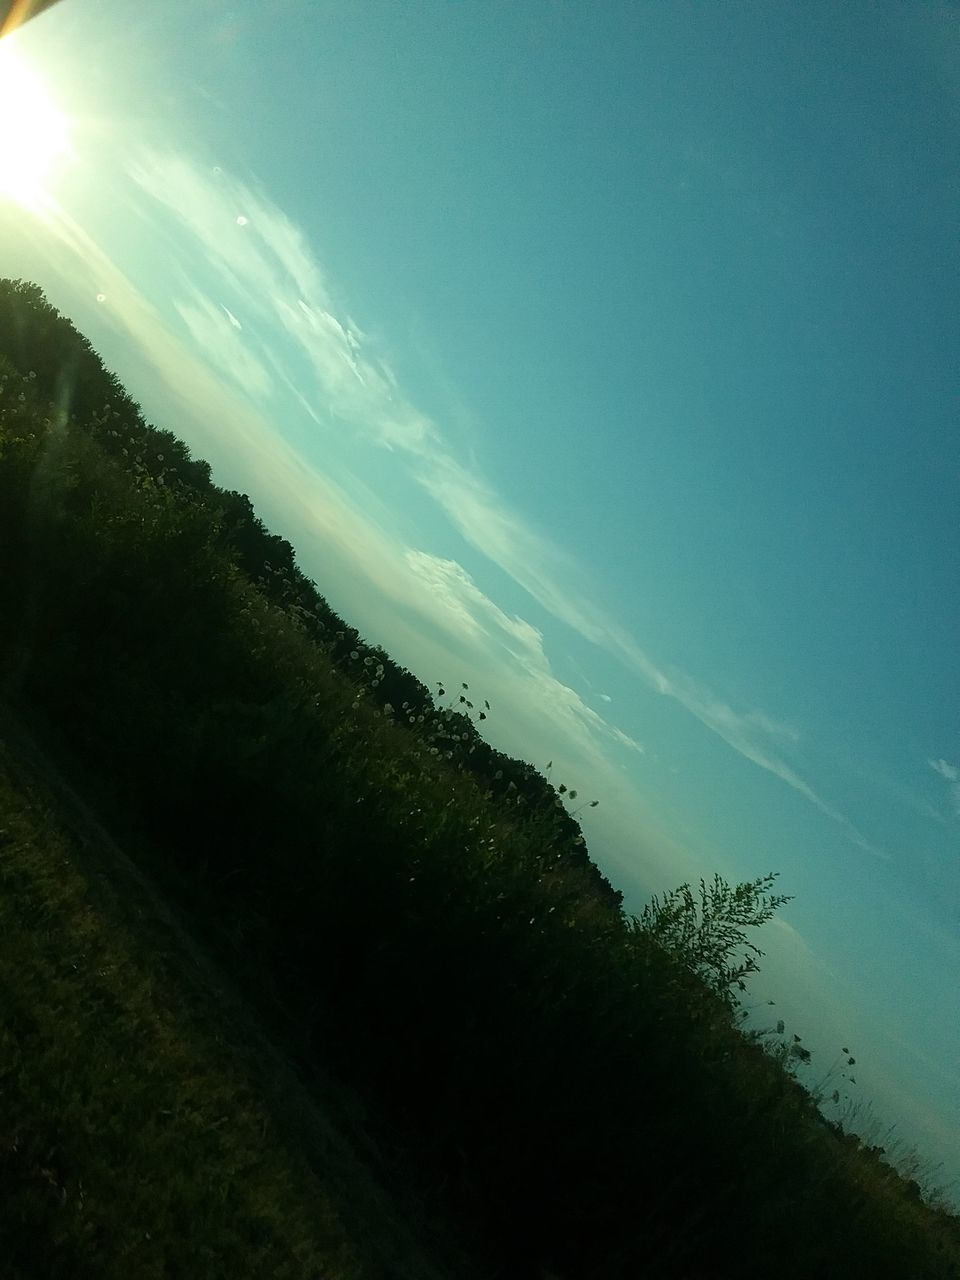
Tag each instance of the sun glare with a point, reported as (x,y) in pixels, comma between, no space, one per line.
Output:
(34,132)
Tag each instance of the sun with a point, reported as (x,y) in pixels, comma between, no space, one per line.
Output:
(34,132)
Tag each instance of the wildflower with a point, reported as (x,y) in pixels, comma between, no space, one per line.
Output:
(353,653)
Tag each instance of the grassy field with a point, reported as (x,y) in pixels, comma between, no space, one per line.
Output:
(146,1127)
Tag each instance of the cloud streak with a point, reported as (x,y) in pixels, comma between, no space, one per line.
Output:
(471,616)
(505,650)
(951,775)
(262,263)
(216,330)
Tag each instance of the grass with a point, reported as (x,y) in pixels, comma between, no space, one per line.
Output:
(137,1135)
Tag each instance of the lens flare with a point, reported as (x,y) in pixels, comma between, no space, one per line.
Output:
(34,133)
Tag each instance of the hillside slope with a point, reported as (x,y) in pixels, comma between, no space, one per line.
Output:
(148,1126)
(415,919)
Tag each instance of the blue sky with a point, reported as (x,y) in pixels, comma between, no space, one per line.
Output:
(605,358)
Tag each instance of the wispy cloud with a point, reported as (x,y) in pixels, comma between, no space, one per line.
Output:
(265,262)
(951,775)
(271,263)
(261,262)
(550,577)
(470,615)
(505,651)
(216,330)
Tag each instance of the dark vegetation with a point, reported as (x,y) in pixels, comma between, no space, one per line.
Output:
(133,1141)
(567,1088)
